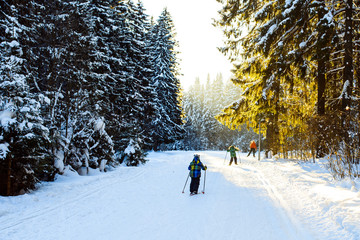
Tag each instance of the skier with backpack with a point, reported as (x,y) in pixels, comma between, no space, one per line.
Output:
(232,149)
(195,173)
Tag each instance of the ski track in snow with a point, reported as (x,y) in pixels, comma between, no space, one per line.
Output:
(266,200)
(52,207)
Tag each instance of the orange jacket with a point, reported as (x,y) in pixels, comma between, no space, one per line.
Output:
(253,145)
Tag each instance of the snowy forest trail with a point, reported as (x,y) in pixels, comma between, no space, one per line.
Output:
(250,201)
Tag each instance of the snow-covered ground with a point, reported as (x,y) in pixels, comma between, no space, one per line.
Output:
(266,200)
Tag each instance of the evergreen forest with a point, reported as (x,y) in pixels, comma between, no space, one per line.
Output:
(201,103)
(83,84)
(298,66)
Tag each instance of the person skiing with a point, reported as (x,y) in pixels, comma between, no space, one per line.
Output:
(252,148)
(195,173)
(232,149)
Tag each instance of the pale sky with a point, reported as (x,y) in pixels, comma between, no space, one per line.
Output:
(197,37)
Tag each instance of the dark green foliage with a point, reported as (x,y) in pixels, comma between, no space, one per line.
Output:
(167,125)
(77,85)
(25,158)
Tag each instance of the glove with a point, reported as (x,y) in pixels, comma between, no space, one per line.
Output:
(205,167)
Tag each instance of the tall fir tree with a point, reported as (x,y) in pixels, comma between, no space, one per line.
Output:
(25,159)
(168,119)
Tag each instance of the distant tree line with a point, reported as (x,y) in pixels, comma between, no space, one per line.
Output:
(201,103)
(298,66)
(83,84)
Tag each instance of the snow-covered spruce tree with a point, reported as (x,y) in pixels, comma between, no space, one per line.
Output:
(140,52)
(135,98)
(134,154)
(108,71)
(92,146)
(24,141)
(215,97)
(76,82)
(66,66)
(49,48)
(168,113)
(101,148)
(191,141)
(110,36)
(195,109)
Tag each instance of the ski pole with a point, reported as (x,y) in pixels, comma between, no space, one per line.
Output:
(225,158)
(204,183)
(239,157)
(186,183)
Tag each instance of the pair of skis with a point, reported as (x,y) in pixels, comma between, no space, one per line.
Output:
(191,194)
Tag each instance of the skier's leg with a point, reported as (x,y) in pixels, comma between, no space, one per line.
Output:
(231,160)
(235,160)
(197,183)
(192,185)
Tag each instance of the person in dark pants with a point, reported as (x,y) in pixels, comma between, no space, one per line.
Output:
(195,173)
(233,150)
(252,148)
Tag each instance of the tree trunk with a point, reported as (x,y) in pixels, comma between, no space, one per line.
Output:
(348,78)
(321,87)
(321,78)
(276,120)
(8,180)
(268,140)
(358,102)
(348,72)
(321,43)
(348,58)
